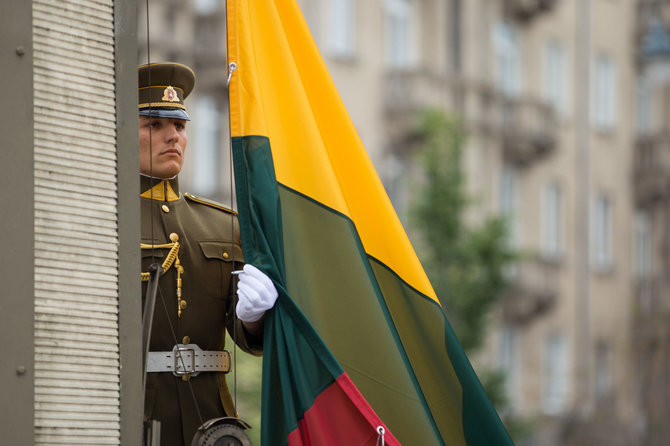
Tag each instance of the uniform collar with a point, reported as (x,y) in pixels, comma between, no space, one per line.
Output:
(162,190)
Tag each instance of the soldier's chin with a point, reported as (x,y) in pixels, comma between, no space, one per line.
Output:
(169,171)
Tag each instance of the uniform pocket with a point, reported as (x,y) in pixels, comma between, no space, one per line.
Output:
(220,259)
(226,251)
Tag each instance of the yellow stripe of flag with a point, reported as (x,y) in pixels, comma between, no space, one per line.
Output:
(282,90)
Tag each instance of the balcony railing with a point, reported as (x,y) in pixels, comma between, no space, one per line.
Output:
(651,168)
(527,9)
(534,290)
(413,89)
(407,91)
(651,313)
(210,37)
(526,126)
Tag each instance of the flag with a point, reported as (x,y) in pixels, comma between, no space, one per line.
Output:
(357,342)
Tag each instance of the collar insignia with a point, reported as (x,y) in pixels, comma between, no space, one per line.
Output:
(162,191)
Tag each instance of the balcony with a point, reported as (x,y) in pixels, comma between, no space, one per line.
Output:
(534,290)
(527,9)
(651,312)
(209,48)
(526,126)
(210,37)
(645,11)
(171,39)
(407,91)
(651,168)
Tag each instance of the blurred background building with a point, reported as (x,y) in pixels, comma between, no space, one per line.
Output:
(566,105)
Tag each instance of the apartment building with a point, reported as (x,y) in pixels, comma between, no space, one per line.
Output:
(567,136)
(651,187)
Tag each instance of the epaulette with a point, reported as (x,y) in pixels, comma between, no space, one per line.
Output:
(210,203)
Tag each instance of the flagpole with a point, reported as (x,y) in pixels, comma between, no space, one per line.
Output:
(232,201)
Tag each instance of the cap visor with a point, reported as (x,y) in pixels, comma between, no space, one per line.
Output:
(172,113)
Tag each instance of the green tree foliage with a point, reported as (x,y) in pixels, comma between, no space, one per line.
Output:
(246,391)
(465,263)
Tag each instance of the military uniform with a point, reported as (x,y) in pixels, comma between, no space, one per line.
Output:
(197,243)
(209,249)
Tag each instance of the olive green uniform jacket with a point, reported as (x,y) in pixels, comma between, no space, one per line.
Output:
(209,239)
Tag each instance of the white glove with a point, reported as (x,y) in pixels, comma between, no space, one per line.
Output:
(256,294)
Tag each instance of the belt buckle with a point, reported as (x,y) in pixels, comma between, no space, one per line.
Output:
(180,352)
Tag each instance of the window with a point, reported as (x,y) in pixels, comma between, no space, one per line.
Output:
(205,6)
(555,77)
(555,374)
(603,384)
(602,233)
(206,148)
(507,59)
(395,176)
(644,105)
(399,33)
(551,221)
(510,363)
(510,206)
(341,28)
(643,245)
(604,92)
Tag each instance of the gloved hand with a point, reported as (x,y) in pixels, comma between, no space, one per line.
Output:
(256,294)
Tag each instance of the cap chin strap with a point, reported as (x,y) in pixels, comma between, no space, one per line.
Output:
(158,178)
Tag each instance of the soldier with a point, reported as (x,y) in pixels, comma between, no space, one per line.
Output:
(198,244)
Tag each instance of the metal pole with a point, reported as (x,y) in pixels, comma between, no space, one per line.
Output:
(155,271)
(583,197)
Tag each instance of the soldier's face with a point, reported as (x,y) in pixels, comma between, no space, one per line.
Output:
(162,146)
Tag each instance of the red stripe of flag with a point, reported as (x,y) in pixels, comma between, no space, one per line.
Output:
(340,416)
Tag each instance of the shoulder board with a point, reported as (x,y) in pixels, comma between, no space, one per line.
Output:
(209,203)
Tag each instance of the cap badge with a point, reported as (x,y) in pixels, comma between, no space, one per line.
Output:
(170,95)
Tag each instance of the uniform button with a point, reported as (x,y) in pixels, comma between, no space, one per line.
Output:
(165,208)
(183,305)
(186,340)
(174,237)
(225,255)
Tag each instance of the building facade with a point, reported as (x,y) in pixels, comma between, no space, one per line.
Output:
(651,187)
(567,136)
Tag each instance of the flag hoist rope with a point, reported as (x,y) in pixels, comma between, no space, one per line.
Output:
(231,68)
